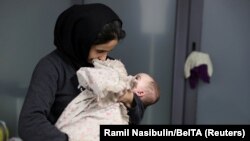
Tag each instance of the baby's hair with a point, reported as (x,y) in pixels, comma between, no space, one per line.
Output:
(153,93)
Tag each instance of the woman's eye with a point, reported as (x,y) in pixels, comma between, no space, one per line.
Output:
(99,51)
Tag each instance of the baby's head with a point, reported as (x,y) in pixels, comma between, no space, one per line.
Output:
(146,88)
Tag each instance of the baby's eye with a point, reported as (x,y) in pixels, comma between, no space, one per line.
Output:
(137,77)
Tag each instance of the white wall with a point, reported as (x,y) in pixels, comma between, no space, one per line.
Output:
(226,37)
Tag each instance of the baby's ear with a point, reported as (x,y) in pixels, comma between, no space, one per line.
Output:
(140,93)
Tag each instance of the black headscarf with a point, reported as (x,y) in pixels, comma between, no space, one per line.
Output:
(77,28)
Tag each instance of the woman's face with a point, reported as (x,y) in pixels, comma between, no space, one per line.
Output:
(101,51)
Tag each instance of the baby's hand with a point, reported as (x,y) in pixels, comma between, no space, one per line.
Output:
(98,63)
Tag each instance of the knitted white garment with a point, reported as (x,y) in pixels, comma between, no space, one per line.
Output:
(82,118)
(196,59)
(106,77)
(97,104)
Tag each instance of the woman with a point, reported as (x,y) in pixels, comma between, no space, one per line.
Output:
(82,33)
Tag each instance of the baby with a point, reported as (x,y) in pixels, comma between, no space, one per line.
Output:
(98,104)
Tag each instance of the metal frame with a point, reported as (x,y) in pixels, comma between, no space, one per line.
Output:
(181,31)
(187,38)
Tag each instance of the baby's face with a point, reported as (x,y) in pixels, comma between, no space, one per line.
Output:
(141,82)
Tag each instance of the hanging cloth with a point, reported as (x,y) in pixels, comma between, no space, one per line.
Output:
(198,65)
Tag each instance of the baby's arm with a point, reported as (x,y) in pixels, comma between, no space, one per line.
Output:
(100,80)
(92,79)
(105,78)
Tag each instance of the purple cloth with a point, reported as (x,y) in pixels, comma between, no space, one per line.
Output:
(199,72)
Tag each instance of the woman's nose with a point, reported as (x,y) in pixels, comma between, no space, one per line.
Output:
(103,57)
